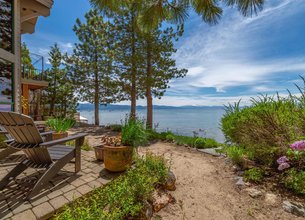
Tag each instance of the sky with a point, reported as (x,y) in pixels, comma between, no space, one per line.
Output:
(236,59)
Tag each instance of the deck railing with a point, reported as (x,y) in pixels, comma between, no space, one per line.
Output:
(35,70)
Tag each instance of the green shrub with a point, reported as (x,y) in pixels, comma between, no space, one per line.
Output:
(236,154)
(211,143)
(254,175)
(134,133)
(295,181)
(123,198)
(60,124)
(85,147)
(200,143)
(2,139)
(170,137)
(270,122)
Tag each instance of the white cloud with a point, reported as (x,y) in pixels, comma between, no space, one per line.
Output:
(230,54)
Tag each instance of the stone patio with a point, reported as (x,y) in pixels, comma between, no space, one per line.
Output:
(63,189)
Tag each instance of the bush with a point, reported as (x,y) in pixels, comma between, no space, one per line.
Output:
(295,181)
(236,154)
(124,197)
(254,175)
(267,126)
(134,133)
(170,137)
(200,143)
(211,143)
(60,124)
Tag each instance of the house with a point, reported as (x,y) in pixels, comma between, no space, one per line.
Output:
(17,84)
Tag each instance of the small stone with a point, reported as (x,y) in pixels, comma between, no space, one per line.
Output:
(148,210)
(294,208)
(254,193)
(170,182)
(240,182)
(271,199)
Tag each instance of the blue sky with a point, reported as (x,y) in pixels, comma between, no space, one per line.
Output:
(236,59)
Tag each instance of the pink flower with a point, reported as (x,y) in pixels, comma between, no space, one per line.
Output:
(282,159)
(283,166)
(298,145)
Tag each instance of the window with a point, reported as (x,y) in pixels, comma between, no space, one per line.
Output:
(6,25)
(6,85)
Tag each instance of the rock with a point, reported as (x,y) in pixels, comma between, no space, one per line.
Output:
(240,182)
(170,183)
(160,199)
(148,213)
(294,208)
(211,151)
(271,199)
(254,193)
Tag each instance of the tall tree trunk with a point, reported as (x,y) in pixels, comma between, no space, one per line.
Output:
(149,118)
(133,92)
(96,100)
(53,98)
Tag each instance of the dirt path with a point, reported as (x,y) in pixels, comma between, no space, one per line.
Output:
(206,189)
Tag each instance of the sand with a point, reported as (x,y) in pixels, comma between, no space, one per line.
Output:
(206,189)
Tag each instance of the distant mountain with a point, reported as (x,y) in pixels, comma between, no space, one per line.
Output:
(90,107)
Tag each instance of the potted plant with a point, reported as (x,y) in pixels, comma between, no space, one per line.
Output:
(60,126)
(118,152)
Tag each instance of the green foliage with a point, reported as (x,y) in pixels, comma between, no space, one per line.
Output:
(254,175)
(295,181)
(59,95)
(86,146)
(134,133)
(170,137)
(236,154)
(2,139)
(124,196)
(60,125)
(267,126)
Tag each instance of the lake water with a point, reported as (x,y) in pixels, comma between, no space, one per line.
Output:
(183,121)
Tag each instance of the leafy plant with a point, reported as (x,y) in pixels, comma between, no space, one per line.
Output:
(60,125)
(115,127)
(295,181)
(134,133)
(236,154)
(254,175)
(125,196)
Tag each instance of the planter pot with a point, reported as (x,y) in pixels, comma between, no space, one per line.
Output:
(117,159)
(99,152)
(60,135)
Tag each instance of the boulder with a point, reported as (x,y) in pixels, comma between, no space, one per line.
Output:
(294,208)
(170,183)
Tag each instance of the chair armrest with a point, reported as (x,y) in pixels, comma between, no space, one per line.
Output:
(46,133)
(63,140)
(3,132)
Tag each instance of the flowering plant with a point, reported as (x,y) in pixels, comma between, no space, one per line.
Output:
(295,156)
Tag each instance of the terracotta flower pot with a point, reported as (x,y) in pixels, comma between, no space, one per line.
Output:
(99,152)
(60,135)
(117,159)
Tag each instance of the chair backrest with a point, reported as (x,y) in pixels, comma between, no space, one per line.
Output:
(26,136)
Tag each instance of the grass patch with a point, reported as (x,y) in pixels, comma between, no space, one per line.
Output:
(295,181)
(124,197)
(255,175)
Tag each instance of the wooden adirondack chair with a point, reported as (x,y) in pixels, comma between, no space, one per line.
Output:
(49,155)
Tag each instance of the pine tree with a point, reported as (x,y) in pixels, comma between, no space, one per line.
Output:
(91,64)
(158,48)
(26,60)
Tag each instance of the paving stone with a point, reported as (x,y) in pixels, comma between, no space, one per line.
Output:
(59,202)
(67,188)
(78,182)
(84,189)
(44,210)
(27,215)
(39,201)
(103,181)
(95,184)
(22,207)
(55,194)
(72,195)
(6,215)
(88,179)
